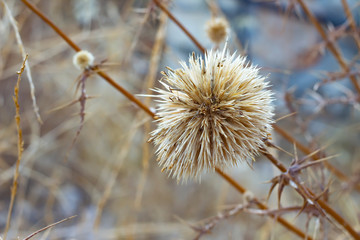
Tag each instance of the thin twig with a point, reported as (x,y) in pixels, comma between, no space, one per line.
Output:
(262,206)
(47,227)
(302,189)
(172,17)
(330,45)
(27,65)
(20,145)
(352,23)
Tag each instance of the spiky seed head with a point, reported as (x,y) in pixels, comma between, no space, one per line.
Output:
(83,59)
(212,113)
(217,29)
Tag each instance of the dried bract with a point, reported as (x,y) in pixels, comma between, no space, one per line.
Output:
(212,113)
(83,59)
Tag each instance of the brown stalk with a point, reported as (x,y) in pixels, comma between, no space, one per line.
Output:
(147,109)
(321,203)
(77,49)
(262,206)
(20,146)
(172,17)
(330,45)
(351,20)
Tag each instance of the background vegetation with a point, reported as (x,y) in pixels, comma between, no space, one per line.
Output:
(109,177)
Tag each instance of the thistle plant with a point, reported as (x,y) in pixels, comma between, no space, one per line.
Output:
(213,112)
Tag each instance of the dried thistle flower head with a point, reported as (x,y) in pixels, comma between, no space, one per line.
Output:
(212,113)
(83,59)
(217,29)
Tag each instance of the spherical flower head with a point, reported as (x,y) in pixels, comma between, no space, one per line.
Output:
(83,59)
(212,113)
(217,29)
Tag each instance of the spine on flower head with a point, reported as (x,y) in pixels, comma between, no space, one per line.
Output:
(213,112)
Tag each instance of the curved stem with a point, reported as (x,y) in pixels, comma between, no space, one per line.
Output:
(262,206)
(171,16)
(330,45)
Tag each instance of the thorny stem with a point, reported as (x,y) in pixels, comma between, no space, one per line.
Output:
(262,206)
(329,44)
(351,20)
(77,49)
(171,16)
(321,203)
(315,157)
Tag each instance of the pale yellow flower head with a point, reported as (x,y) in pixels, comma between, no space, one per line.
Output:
(212,113)
(83,59)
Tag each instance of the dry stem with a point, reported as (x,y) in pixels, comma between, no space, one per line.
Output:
(315,157)
(20,145)
(47,227)
(331,46)
(310,197)
(23,53)
(352,23)
(262,206)
(193,39)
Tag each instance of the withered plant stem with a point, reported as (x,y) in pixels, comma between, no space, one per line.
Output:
(47,227)
(262,206)
(321,203)
(20,147)
(315,157)
(352,23)
(330,45)
(77,49)
(172,17)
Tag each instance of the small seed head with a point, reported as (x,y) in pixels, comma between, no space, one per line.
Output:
(211,113)
(83,59)
(217,29)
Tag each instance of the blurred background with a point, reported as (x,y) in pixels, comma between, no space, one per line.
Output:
(109,177)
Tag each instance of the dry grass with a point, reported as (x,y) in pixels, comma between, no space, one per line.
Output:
(109,178)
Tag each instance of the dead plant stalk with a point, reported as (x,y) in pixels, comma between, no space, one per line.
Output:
(20,147)
(330,45)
